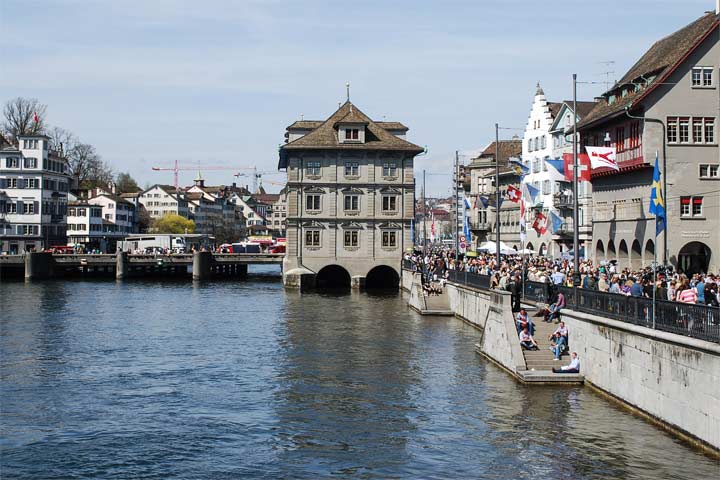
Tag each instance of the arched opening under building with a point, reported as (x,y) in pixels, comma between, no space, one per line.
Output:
(611,254)
(382,277)
(636,258)
(543,250)
(530,247)
(623,255)
(694,257)
(333,277)
(600,250)
(649,255)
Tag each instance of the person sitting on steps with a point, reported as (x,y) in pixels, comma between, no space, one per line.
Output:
(523,321)
(553,311)
(527,342)
(559,339)
(574,366)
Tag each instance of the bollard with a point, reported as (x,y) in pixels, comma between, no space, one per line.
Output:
(121,265)
(202,262)
(38,265)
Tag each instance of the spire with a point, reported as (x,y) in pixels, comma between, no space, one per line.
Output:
(539,90)
(199,182)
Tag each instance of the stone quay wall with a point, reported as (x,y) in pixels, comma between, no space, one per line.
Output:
(671,379)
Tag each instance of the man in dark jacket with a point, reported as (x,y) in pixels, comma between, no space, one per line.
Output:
(515,288)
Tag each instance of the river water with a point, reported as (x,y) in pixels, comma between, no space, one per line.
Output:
(241,379)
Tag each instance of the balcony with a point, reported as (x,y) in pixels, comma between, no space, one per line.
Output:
(481,226)
(563,201)
(566,231)
(56,218)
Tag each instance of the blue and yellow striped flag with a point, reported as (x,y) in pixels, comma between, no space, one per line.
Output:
(657,199)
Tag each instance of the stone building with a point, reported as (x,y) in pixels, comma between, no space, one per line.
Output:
(666,103)
(34,186)
(350,196)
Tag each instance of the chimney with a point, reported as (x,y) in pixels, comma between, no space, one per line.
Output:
(234,185)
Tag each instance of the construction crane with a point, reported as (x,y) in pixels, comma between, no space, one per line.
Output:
(176,168)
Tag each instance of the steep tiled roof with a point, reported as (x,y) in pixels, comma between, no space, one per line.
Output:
(659,61)
(554,108)
(508,148)
(313,124)
(376,137)
(266,198)
(393,126)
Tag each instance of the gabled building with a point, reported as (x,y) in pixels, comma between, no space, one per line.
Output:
(34,186)
(665,105)
(160,200)
(350,195)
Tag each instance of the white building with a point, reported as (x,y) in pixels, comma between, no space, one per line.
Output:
(160,200)
(85,225)
(34,185)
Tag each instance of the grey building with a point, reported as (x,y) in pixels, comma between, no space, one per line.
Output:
(668,103)
(350,195)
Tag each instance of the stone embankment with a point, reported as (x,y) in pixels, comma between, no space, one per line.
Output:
(668,378)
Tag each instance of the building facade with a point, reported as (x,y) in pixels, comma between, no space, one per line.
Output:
(160,200)
(350,196)
(666,105)
(34,186)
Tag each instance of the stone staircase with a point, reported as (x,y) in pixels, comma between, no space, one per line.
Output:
(437,304)
(543,359)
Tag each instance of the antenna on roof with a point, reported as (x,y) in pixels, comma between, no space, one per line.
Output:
(302,117)
(609,64)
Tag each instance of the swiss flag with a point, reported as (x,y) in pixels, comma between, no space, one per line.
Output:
(514,194)
(36,119)
(583,167)
(540,224)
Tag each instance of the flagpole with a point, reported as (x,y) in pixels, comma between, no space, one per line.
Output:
(425,211)
(497,196)
(654,276)
(576,216)
(457,208)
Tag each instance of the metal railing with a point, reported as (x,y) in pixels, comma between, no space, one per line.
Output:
(691,320)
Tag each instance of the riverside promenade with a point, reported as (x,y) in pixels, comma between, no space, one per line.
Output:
(668,378)
(199,265)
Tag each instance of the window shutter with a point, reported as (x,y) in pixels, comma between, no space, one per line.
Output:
(36,207)
(20,207)
(3,182)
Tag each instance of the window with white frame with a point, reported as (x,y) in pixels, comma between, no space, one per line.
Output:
(544,164)
(389,203)
(30,162)
(31,183)
(12,162)
(546,187)
(352,202)
(691,207)
(389,169)
(351,238)
(702,76)
(691,130)
(351,169)
(389,239)
(710,170)
(313,168)
(352,134)
(312,238)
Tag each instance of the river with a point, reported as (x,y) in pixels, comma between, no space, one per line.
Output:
(241,379)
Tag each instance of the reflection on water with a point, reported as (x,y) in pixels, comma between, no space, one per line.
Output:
(232,379)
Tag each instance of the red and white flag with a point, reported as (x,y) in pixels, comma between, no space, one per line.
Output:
(522,221)
(602,157)
(36,118)
(540,224)
(432,228)
(583,167)
(514,194)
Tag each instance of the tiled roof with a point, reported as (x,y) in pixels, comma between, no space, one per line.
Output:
(313,124)
(393,126)
(116,198)
(508,148)
(660,60)
(554,108)
(353,117)
(266,198)
(376,137)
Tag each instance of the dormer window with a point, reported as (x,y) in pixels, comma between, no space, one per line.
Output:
(352,134)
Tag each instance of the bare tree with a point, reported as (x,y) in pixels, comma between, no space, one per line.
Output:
(23,116)
(62,140)
(87,166)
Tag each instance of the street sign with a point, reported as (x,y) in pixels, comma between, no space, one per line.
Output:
(462,245)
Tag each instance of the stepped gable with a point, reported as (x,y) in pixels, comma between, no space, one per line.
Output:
(659,61)
(377,137)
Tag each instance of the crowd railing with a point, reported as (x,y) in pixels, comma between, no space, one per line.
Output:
(693,320)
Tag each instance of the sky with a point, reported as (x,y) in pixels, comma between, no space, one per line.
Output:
(215,82)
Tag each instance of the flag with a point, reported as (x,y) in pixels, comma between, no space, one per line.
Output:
(432,228)
(540,224)
(489,201)
(556,222)
(522,222)
(657,201)
(466,202)
(484,200)
(558,164)
(475,202)
(518,167)
(602,157)
(584,168)
(514,194)
(532,192)
(36,119)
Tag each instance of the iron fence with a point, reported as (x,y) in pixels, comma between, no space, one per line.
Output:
(692,320)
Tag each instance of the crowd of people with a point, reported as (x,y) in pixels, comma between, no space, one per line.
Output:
(665,284)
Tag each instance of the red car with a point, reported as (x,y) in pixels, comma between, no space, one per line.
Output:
(277,249)
(63,249)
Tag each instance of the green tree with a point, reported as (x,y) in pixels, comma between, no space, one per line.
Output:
(173,224)
(126,183)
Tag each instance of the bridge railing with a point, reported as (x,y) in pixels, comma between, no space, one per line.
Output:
(692,320)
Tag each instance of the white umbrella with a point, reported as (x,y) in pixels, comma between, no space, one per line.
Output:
(490,248)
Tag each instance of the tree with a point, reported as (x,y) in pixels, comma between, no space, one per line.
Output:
(125,183)
(20,115)
(144,220)
(172,223)
(88,168)
(62,140)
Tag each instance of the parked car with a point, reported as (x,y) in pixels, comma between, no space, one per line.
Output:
(59,249)
(277,249)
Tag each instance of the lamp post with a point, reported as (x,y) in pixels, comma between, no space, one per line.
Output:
(497,196)
(576,216)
